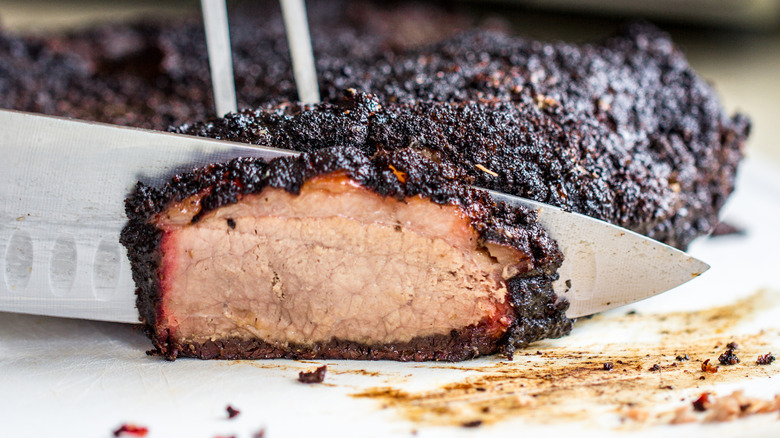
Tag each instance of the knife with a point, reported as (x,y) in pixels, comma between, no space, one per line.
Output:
(62,193)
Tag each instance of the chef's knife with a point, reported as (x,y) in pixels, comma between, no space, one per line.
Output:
(62,189)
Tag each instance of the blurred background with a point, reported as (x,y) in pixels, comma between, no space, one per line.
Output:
(734,44)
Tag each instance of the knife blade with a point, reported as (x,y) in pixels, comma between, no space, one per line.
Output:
(63,188)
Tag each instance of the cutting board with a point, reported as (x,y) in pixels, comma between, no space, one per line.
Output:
(62,377)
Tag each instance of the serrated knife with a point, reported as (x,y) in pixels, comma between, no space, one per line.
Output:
(62,189)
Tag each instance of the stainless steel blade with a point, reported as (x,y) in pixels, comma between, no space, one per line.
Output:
(607,266)
(64,183)
(62,190)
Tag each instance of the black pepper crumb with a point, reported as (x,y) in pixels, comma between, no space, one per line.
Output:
(608,366)
(765,359)
(475,423)
(682,357)
(316,376)
(232,412)
(655,367)
(231,223)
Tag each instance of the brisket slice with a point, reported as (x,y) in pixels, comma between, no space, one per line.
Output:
(624,131)
(335,255)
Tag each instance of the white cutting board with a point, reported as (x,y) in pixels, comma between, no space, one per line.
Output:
(63,377)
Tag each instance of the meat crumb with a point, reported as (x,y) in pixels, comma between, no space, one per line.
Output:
(259,434)
(702,403)
(765,359)
(683,415)
(682,357)
(636,414)
(475,423)
(232,412)
(131,429)
(729,357)
(707,367)
(316,376)
(608,366)
(726,229)
(726,408)
(655,367)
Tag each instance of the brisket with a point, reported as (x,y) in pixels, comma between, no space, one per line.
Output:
(335,255)
(622,130)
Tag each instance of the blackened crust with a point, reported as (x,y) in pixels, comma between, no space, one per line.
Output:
(458,345)
(400,175)
(624,130)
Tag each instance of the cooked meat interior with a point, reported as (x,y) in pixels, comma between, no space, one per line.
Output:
(352,255)
(335,261)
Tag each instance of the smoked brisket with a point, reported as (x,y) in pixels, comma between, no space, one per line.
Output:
(622,130)
(484,263)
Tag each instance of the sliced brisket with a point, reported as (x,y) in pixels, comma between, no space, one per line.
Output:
(334,255)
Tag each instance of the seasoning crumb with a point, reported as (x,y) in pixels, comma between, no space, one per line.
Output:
(475,423)
(316,376)
(765,359)
(682,357)
(655,367)
(259,434)
(131,429)
(232,412)
(707,367)
(486,170)
(231,223)
(398,174)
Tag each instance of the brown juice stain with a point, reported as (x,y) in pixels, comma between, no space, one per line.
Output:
(551,383)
